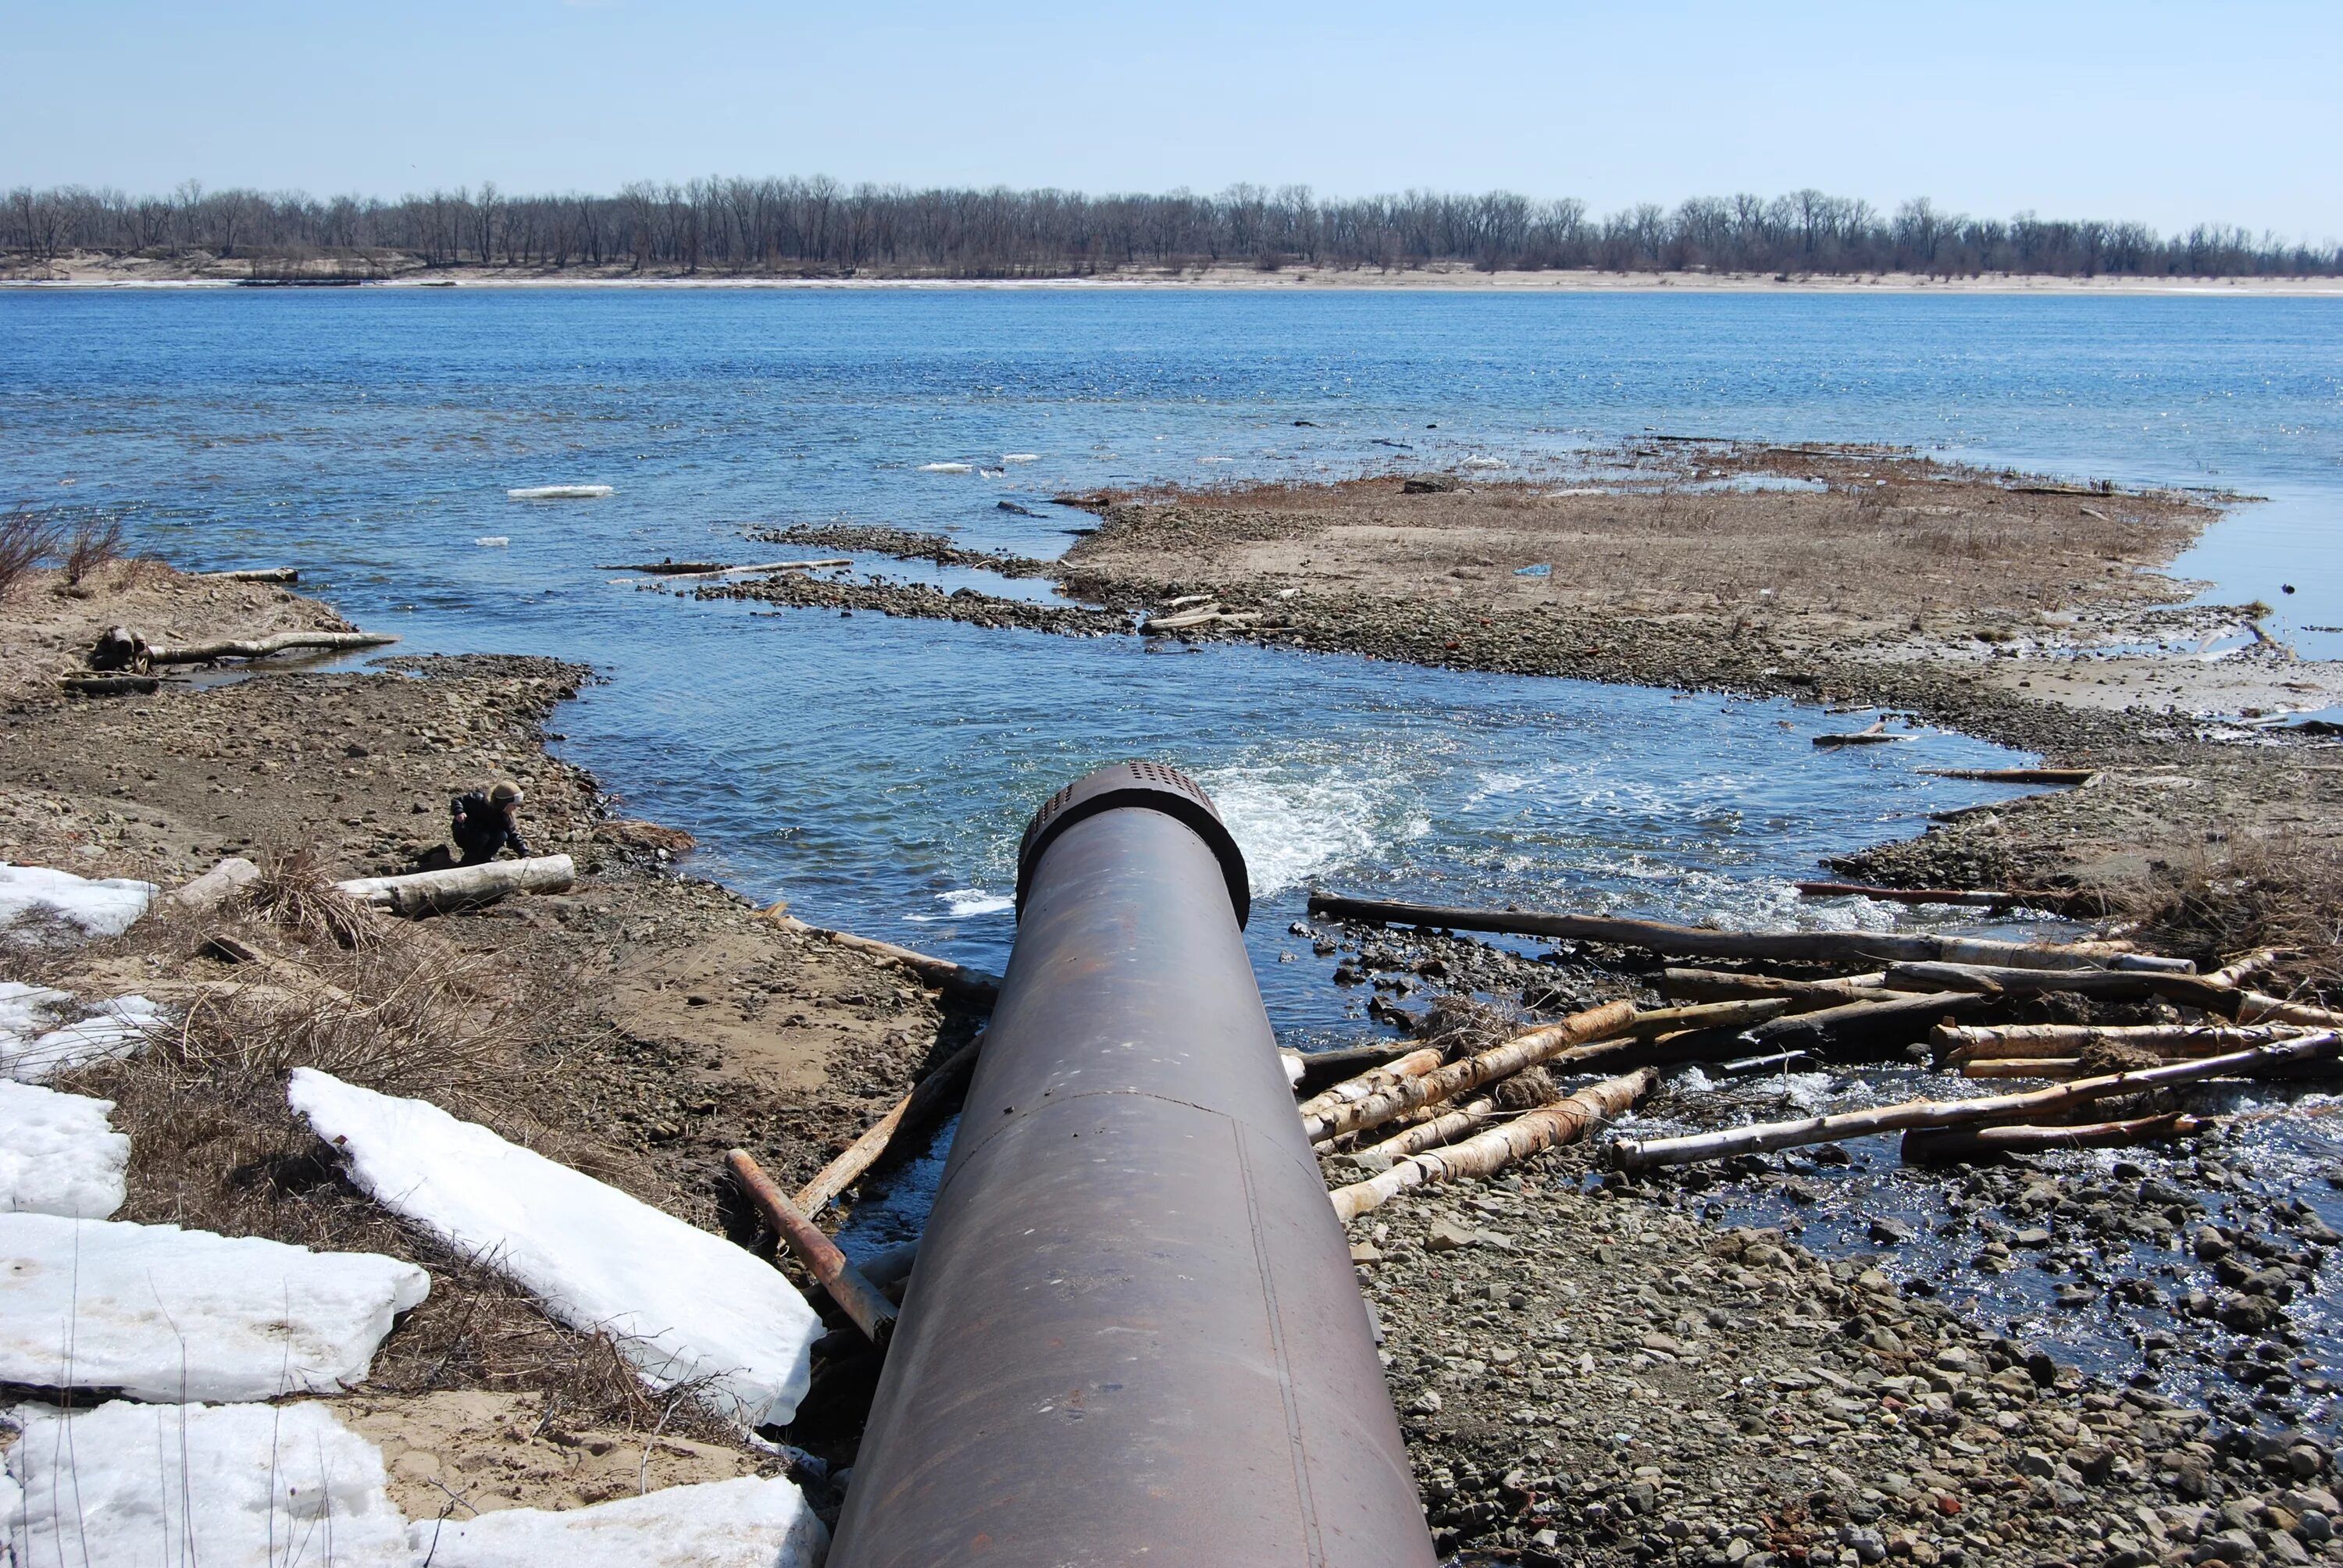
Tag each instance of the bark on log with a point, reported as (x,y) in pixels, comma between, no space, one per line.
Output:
(1500,1062)
(1414,1064)
(1424,1135)
(956,980)
(1805,996)
(2021,1067)
(1967,898)
(1949,1145)
(1741,1013)
(918,1108)
(1322,1067)
(262,646)
(462,886)
(212,888)
(2074,776)
(1566,1120)
(2253,1007)
(1992,980)
(2044,1040)
(1764,1137)
(1812,947)
(1895,1021)
(855,1296)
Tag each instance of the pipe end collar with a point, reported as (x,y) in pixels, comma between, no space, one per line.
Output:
(1154,786)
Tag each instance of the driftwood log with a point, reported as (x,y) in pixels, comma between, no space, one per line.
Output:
(1762,1137)
(256,575)
(1566,1120)
(462,886)
(212,888)
(1947,1145)
(1809,947)
(1414,1064)
(1804,995)
(262,646)
(929,1098)
(956,980)
(1967,898)
(1998,979)
(1320,1069)
(2073,775)
(855,1296)
(1499,1061)
(2236,971)
(1888,1023)
(2010,1040)
(1423,1135)
(2253,1007)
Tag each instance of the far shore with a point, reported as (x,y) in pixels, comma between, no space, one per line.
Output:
(88,273)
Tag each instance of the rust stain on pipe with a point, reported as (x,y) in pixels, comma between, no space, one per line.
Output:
(1135,1333)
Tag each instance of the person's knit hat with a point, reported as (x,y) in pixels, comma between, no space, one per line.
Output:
(504,792)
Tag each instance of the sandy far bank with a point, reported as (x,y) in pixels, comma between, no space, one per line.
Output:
(106,273)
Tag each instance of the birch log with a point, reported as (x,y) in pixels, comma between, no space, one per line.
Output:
(2018,1039)
(1809,947)
(462,886)
(1805,996)
(2236,971)
(1414,1064)
(1566,1120)
(914,1110)
(1741,1013)
(958,980)
(1890,1024)
(2253,1007)
(1763,1137)
(2021,1067)
(1923,1147)
(1994,979)
(1500,1062)
(212,888)
(262,646)
(1424,1135)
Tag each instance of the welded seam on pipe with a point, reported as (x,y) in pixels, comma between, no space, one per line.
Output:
(978,1147)
(1293,1441)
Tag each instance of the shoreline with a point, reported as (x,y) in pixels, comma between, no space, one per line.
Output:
(1586,1370)
(1297,279)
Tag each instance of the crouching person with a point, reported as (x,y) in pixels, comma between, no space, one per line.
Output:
(485,823)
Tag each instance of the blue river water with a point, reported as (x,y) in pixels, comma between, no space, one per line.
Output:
(876,772)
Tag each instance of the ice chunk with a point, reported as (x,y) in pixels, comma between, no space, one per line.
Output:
(228,1486)
(682,1304)
(58,1153)
(944,467)
(493,541)
(744,1522)
(104,908)
(118,1028)
(161,1314)
(559,493)
(1020,456)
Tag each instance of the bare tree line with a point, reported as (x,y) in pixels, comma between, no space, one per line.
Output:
(820,226)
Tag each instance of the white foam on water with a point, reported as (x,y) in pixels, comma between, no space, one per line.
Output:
(967,903)
(557,493)
(945,468)
(493,541)
(1020,456)
(1294,821)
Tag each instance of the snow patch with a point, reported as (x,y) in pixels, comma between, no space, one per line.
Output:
(682,1305)
(228,1486)
(120,1027)
(58,1153)
(557,493)
(745,1522)
(103,908)
(161,1314)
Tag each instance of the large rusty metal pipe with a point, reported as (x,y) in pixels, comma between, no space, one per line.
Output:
(1133,1335)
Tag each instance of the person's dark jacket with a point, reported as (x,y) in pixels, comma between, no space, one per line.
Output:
(481,827)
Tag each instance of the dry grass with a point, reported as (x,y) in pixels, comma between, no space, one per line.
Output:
(24,540)
(94,543)
(294,892)
(2258,890)
(215,1146)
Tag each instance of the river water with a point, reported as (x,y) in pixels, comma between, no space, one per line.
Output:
(877,773)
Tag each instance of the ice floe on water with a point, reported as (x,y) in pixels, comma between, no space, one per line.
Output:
(744,1522)
(157,1313)
(946,468)
(59,1154)
(1020,456)
(968,903)
(227,1486)
(104,907)
(557,493)
(1294,819)
(115,1028)
(682,1305)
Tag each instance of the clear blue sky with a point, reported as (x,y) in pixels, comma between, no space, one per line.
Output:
(2168,113)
